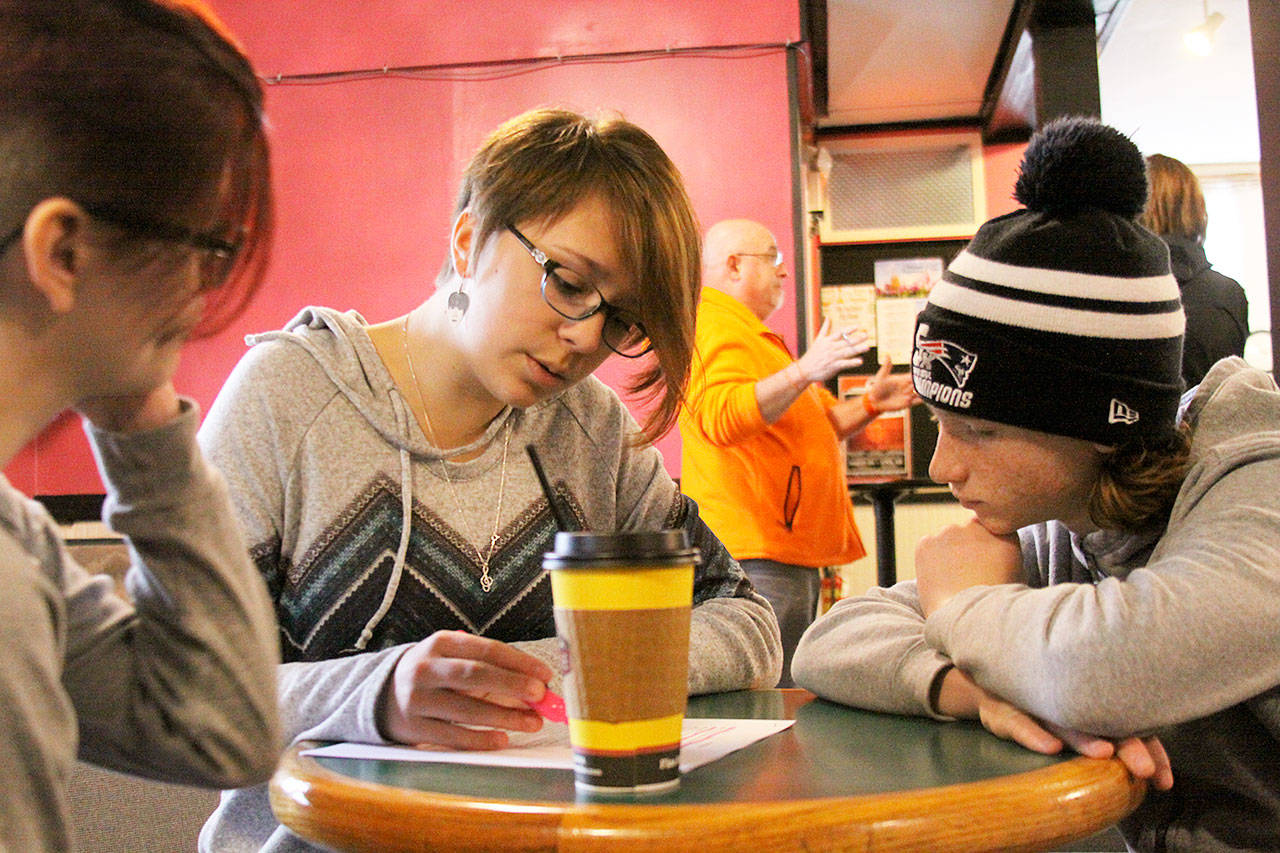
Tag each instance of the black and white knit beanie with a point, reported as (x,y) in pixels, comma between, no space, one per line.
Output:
(1061,317)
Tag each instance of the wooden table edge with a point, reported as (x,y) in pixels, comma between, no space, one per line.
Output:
(1006,813)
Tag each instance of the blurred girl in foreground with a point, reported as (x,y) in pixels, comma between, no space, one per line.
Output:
(134,205)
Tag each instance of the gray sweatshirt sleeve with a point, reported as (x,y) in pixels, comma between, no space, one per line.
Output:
(734,642)
(869,651)
(336,699)
(1190,633)
(180,687)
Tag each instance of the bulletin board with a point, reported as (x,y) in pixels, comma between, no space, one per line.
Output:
(881,287)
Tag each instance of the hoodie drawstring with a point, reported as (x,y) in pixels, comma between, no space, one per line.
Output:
(406,525)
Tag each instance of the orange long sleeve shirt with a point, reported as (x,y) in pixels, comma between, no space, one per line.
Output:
(768,491)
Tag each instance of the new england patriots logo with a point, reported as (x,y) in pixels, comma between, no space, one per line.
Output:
(957,360)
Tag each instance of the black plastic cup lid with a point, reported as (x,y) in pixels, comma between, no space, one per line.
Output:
(575,548)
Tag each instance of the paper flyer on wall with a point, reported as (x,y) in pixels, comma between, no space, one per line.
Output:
(851,305)
(902,287)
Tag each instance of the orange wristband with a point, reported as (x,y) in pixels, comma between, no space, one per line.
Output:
(869,406)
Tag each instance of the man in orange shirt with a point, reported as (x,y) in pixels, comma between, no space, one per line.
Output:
(763,440)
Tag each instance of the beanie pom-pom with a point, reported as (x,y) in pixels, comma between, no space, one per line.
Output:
(1075,163)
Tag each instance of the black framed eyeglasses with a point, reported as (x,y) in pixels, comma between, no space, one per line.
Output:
(576,299)
(217,254)
(774,257)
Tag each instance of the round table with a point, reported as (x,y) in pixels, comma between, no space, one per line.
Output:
(839,779)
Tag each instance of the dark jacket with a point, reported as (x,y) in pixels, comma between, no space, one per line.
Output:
(1217,311)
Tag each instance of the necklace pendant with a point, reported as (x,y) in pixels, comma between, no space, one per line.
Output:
(460,300)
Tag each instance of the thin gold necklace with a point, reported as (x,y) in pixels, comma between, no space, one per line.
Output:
(486,582)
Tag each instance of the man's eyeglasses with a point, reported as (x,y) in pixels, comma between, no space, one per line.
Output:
(217,255)
(574,299)
(774,257)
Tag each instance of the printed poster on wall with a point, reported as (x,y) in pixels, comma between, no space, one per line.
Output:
(902,287)
(882,450)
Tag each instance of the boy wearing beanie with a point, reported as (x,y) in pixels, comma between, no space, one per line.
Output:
(1118,588)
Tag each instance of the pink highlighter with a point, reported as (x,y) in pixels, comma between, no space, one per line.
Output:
(551,706)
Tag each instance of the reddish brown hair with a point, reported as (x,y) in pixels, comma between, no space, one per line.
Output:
(141,107)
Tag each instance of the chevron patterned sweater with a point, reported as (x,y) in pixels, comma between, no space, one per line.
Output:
(368,546)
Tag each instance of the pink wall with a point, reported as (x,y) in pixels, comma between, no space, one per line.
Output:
(366,169)
(1000,167)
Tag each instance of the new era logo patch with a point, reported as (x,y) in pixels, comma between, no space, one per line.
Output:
(1121,413)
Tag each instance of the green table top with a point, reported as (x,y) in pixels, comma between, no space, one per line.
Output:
(831,751)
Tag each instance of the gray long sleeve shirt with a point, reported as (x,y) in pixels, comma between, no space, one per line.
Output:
(1173,631)
(178,686)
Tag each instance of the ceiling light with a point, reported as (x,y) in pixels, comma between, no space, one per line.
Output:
(1200,39)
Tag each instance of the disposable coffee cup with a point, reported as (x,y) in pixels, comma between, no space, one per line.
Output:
(622,605)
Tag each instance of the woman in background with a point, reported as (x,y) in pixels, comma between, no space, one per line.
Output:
(1216,307)
(381,470)
(134,206)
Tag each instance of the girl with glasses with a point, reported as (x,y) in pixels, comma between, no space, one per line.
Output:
(134,209)
(381,470)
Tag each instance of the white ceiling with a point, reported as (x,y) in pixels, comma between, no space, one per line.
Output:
(909,60)
(1201,110)
(919,60)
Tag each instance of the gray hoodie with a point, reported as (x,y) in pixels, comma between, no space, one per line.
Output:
(1173,632)
(368,545)
(177,685)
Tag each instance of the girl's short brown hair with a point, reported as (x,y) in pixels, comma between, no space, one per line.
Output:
(538,166)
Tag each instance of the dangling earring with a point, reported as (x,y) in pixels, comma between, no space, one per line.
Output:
(458,304)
